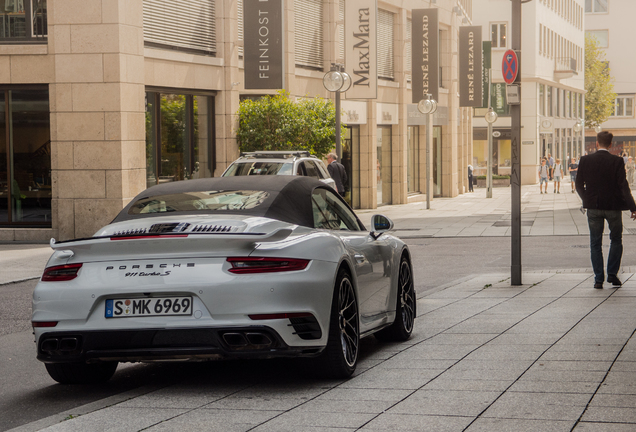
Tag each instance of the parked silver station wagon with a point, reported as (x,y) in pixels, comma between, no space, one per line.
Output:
(280,163)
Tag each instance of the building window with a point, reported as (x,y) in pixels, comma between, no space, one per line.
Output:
(596,6)
(498,35)
(624,106)
(541,99)
(23,21)
(179,137)
(549,101)
(385,44)
(308,39)
(182,25)
(413,159)
(25,156)
(602,36)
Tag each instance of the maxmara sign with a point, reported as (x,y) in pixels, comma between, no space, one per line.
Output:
(361,58)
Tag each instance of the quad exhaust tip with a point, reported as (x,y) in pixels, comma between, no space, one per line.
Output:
(247,340)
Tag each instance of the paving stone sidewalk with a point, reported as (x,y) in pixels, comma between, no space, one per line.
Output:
(551,355)
(474,215)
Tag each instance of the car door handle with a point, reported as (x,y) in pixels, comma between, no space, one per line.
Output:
(360,258)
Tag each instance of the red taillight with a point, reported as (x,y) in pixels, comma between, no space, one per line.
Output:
(144,237)
(256,317)
(246,265)
(61,273)
(43,323)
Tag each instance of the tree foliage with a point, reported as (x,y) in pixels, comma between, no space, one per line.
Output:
(600,97)
(277,123)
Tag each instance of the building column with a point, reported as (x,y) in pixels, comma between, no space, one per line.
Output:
(97,111)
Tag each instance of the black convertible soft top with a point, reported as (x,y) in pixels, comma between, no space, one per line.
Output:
(289,197)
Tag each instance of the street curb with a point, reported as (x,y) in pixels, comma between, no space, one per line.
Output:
(85,409)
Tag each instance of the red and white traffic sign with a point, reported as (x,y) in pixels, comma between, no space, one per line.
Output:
(510,66)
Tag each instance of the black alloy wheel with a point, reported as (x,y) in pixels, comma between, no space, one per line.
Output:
(340,357)
(405,309)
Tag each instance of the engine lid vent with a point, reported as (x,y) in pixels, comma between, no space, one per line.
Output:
(173,227)
(214,228)
(132,231)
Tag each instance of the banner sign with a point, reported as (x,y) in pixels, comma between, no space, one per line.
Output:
(499,100)
(485,71)
(425,55)
(361,47)
(263,44)
(470,67)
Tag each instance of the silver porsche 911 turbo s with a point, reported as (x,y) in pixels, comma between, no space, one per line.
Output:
(226,267)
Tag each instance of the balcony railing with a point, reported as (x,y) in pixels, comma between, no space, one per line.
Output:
(564,67)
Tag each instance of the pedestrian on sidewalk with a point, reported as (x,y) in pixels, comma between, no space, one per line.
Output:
(601,182)
(630,168)
(470,178)
(558,174)
(544,172)
(573,168)
(337,172)
(550,166)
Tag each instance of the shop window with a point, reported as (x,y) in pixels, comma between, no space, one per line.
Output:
(602,36)
(498,35)
(383,164)
(385,44)
(351,161)
(596,6)
(413,160)
(308,40)
(25,157)
(23,21)
(623,106)
(179,137)
(179,24)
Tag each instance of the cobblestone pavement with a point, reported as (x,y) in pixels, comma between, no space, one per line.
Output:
(551,355)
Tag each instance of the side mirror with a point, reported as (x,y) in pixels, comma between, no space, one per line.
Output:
(381,224)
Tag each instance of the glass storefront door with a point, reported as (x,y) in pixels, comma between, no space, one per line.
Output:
(25,157)
(384,165)
(413,159)
(437,161)
(351,162)
(179,138)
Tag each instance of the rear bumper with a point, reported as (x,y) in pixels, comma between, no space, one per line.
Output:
(166,344)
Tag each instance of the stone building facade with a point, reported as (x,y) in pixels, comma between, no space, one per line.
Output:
(103,98)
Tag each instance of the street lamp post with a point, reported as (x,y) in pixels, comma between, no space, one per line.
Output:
(578,127)
(491,117)
(428,106)
(338,81)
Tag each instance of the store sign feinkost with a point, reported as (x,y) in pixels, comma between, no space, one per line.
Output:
(263,44)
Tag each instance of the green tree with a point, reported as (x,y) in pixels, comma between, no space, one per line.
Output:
(277,123)
(600,97)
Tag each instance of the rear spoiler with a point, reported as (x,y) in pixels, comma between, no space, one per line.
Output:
(154,246)
(278,235)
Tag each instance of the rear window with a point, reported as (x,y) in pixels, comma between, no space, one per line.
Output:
(259,168)
(199,201)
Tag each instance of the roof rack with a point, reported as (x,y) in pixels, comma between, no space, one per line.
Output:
(276,154)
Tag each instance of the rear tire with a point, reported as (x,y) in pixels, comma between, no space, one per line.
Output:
(340,357)
(81,373)
(405,309)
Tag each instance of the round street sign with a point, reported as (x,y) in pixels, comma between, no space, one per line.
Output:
(510,66)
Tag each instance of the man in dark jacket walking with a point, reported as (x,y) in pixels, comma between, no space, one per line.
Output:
(337,172)
(602,185)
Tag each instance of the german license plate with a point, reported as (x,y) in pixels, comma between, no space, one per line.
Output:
(153,306)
